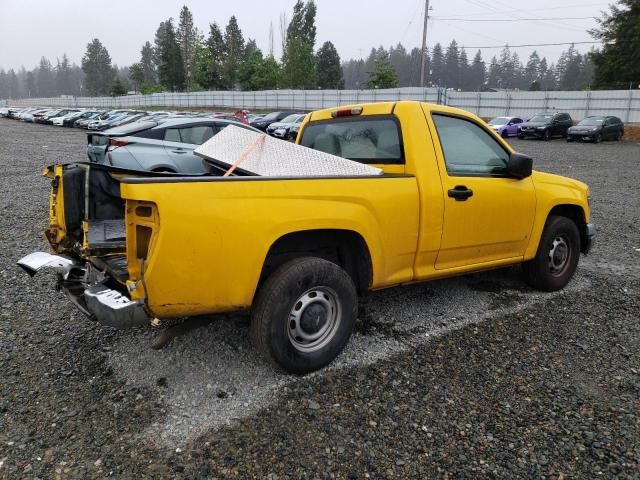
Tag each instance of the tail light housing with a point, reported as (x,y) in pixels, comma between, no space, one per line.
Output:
(116,143)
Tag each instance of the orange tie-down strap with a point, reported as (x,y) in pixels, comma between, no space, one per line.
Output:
(244,155)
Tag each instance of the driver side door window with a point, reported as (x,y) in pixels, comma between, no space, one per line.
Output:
(468,149)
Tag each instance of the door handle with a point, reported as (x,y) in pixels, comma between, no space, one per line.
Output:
(460,193)
(179,151)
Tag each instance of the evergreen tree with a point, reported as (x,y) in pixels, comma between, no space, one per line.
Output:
(355,74)
(13,85)
(463,75)
(234,53)
(298,58)
(415,65)
(547,75)
(437,74)
(452,66)
(617,65)
(64,85)
(137,76)
(585,79)
(383,75)
(169,57)
(495,73)
(568,69)
(46,79)
(211,66)
(30,85)
(148,64)
(400,61)
(117,88)
(328,67)
(4,87)
(187,38)
(477,73)
(532,70)
(96,65)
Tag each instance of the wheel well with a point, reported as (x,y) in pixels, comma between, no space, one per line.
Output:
(575,213)
(345,248)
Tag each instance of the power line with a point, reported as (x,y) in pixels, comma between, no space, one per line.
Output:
(532,45)
(508,19)
(532,9)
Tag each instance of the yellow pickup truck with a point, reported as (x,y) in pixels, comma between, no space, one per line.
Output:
(454,198)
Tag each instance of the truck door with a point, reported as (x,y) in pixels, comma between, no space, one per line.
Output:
(488,217)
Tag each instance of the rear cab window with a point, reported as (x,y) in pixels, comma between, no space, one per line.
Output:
(373,139)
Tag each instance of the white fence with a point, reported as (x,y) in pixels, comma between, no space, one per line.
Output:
(621,103)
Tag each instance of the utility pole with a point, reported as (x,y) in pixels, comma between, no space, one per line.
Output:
(424,42)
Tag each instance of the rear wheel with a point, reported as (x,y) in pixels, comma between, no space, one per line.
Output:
(619,135)
(521,136)
(557,257)
(304,314)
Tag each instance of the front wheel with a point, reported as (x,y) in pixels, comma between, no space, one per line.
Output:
(304,314)
(597,138)
(546,136)
(557,257)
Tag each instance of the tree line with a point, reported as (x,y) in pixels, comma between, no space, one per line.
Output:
(183,58)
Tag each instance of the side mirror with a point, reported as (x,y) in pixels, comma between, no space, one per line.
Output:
(519,166)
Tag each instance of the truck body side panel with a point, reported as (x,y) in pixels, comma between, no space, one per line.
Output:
(203,266)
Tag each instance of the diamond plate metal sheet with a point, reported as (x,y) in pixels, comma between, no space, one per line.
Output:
(271,157)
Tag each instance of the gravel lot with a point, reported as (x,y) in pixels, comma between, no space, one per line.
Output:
(475,377)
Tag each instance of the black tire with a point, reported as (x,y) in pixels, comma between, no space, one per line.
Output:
(546,272)
(504,134)
(569,140)
(619,135)
(521,136)
(273,328)
(546,135)
(597,138)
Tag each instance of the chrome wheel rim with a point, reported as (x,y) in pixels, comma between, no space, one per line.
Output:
(314,319)
(559,255)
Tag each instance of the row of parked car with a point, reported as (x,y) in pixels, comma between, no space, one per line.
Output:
(155,141)
(281,124)
(559,124)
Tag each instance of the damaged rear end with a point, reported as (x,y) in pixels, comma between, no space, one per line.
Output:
(100,243)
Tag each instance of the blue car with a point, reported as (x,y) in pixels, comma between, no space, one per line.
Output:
(164,145)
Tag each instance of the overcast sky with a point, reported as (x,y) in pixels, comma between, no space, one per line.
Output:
(30,29)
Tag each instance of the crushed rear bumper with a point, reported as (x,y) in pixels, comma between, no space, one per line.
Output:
(96,300)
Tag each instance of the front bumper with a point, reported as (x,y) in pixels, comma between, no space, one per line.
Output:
(94,299)
(589,238)
(582,136)
(531,133)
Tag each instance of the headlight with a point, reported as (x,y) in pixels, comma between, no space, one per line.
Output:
(594,129)
(540,128)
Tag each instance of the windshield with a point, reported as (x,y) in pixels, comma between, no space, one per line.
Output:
(290,119)
(542,118)
(499,121)
(271,116)
(592,122)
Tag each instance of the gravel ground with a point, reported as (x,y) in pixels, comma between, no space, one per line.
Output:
(475,377)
